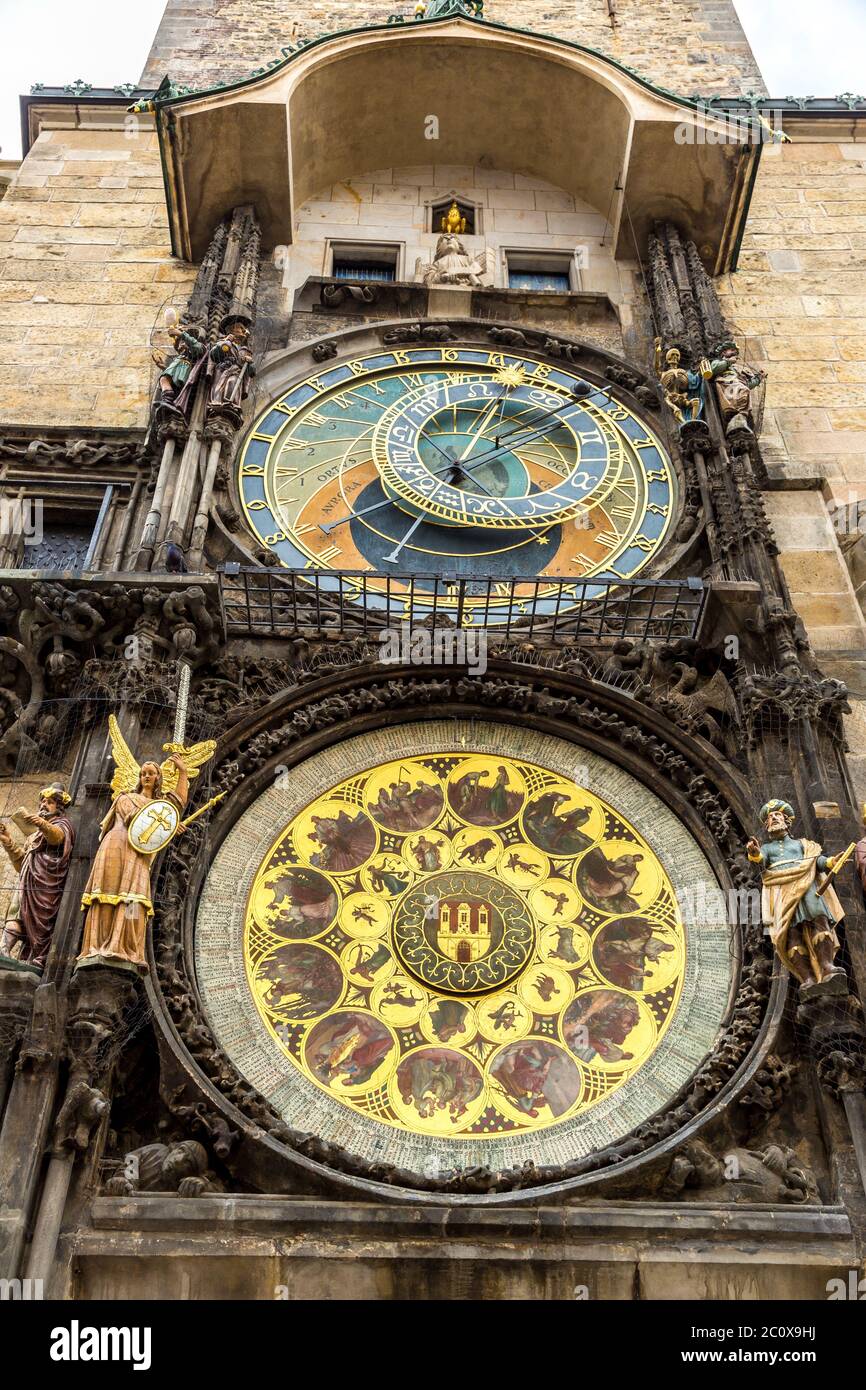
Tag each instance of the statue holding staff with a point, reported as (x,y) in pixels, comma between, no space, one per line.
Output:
(230,370)
(800,911)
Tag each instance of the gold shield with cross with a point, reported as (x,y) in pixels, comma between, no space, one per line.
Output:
(153,826)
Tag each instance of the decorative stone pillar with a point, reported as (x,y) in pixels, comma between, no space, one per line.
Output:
(98,998)
(186,417)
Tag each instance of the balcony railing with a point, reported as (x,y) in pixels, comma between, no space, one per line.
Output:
(283,603)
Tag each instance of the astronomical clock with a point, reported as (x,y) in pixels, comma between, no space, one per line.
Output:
(480,949)
(406,467)
(464,657)
(452,943)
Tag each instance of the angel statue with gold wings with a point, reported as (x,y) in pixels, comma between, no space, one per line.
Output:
(144,816)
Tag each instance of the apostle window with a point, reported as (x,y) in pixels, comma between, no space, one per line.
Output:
(59,544)
(547,271)
(364,260)
(51,533)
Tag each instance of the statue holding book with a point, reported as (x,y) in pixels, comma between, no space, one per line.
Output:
(42,862)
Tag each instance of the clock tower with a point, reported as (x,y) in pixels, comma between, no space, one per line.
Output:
(436,476)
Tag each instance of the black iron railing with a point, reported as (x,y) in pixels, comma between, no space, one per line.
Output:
(280,602)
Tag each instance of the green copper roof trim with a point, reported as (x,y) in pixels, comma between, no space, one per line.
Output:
(484,24)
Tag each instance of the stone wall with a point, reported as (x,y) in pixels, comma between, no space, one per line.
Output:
(798,306)
(687,45)
(85,272)
(8,169)
(516,212)
(309,1249)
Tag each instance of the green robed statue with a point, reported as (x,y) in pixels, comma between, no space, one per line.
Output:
(800,912)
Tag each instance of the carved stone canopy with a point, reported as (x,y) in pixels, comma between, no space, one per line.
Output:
(291,131)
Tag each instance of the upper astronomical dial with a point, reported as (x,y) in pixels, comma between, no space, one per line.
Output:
(461,452)
(426,463)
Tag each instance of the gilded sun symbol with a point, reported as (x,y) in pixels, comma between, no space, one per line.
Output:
(511,376)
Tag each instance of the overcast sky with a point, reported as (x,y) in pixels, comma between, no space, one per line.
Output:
(804,47)
(807,47)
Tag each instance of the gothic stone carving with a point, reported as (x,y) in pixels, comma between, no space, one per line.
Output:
(76,453)
(48,632)
(181,1168)
(769,1085)
(772,1174)
(420,333)
(780,698)
(453,265)
(322,352)
(836,1039)
(97,999)
(335,294)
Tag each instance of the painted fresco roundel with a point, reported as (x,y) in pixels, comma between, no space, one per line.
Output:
(480,945)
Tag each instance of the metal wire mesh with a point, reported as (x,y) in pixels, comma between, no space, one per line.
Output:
(278,603)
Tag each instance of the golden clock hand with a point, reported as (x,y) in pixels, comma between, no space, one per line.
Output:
(332,525)
(535,432)
(488,453)
(468,469)
(496,408)
(485,416)
(546,415)
(500,449)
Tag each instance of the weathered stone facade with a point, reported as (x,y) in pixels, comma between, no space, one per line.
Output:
(136,389)
(798,306)
(690,45)
(86,272)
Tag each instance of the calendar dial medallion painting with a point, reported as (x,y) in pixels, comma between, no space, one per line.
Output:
(431,462)
(466,944)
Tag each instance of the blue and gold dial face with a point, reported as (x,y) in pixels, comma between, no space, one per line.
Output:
(431,462)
